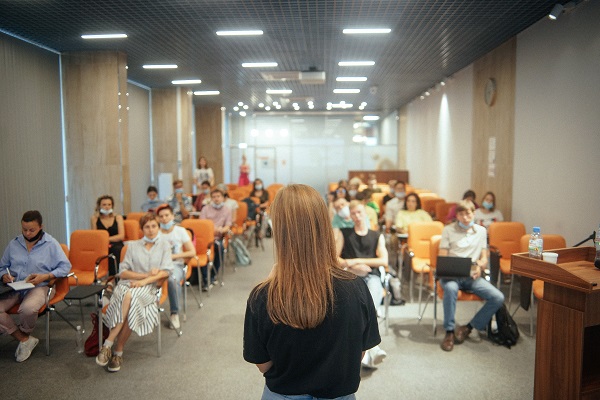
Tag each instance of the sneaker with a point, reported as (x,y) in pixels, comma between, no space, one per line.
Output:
(104,356)
(25,348)
(174,322)
(367,362)
(115,363)
(377,355)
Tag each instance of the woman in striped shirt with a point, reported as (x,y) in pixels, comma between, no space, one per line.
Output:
(147,263)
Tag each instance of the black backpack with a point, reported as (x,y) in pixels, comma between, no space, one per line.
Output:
(507,333)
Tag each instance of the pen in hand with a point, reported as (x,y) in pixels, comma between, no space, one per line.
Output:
(11,279)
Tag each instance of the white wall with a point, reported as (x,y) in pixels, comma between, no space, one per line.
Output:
(438,138)
(557,125)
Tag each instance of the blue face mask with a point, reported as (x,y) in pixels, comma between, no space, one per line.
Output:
(206,191)
(168,225)
(352,192)
(258,187)
(466,226)
(179,191)
(487,205)
(148,240)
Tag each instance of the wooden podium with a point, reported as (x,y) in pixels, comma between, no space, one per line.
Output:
(567,355)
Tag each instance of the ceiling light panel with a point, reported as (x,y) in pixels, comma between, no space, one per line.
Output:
(259,64)
(351,78)
(159,66)
(105,36)
(186,81)
(362,31)
(207,92)
(256,32)
(356,63)
(346,91)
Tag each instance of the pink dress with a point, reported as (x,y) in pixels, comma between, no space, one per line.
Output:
(244,172)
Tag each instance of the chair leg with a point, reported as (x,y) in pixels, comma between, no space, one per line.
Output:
(422,275)
(184,300)
(47,332)
(200,305)
(410,284)
(499,278)
(435,283)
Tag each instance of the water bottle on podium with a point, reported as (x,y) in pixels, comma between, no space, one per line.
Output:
(597,244)
(536,244)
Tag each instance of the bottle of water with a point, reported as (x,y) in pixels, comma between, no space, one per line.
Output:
(536,244)
(597,243)
(79,339)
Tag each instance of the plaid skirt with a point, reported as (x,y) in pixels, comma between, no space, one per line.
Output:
(143,313)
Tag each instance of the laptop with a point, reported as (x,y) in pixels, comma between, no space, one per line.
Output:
(453,267)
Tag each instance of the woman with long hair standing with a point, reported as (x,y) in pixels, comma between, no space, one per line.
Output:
(309,323)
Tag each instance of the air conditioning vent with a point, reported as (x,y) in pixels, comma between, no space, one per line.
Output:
(281,75)
(312,77)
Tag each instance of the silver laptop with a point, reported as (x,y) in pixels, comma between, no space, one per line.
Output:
(453,267)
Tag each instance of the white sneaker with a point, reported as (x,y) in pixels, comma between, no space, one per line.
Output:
(175,322)
(25,348)
(377,355)
(367,362)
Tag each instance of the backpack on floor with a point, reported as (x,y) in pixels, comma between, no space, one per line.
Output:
(242,256)
(91,343)
(507,332)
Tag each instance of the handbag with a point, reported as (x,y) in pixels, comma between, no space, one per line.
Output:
(91,343)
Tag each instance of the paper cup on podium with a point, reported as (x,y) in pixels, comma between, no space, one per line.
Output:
(550,257)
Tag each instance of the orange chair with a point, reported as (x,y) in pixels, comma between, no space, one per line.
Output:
(239,225)
(237,194)
(419,238)
(135,216)
(186,281)
(551,242)
(231,186)
(89,256)
(132,230)
(204,232)
(378,199)
(442,210)
(437,289)
(429,204)
(505,238)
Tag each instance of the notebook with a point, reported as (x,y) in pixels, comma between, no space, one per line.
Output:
(453,267)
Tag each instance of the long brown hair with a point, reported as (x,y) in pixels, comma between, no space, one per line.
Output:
(300,286)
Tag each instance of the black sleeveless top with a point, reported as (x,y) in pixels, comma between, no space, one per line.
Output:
(112,230)
(356,246)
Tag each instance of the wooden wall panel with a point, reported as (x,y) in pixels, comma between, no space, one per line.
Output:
(94,133)
(496,121)
(208,120)
(187,144)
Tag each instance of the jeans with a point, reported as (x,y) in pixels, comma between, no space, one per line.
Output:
(375,288)
(482,288)
(174,288)
(219,254)
(268,395)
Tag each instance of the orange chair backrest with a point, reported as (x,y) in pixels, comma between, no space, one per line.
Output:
(442,210)
(204,233)
(275,186)
(231,186)
(65,249)
(419,236)
(434,249)
(506,237)
(135,216)
(123,251)
(551,242)
(86,247)
(132,230)
(237,194)
(429,203)
(378,199)
(242,213)
(246,189)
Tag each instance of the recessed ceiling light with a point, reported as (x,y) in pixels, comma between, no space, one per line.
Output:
(341,104)
(346,91)
(354,31)
(268,108)
(105,36)
(159,66)
(240,103)
(356,63)
(261,105)
(279,91)
(243,113)
(245,106)
(240,33)
(236,108)
(207,92)
(259,64)
(351,78)
(371,118)
(186,81)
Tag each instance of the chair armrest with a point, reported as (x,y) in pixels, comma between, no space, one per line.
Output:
(495,250)
(98,261)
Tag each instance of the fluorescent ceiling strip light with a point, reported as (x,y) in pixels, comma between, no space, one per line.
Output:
(105,36)
(351,78)
(279,91)
(259,64)
(356,63)
(346,91)
(207,92)
(255,32)
(358,31)
(159,66)
(371,118)
(186,81)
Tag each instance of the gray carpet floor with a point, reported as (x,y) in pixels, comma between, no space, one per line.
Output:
(206,361)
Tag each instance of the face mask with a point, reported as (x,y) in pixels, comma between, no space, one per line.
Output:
(466,226)
(179,191)
(36,237)
(168,225)
(487,205)
(258,187)
(400,195)
(392,192)
(206,191)
(344,213)
(148,240)
(352,192)
(106,212)
(217,206)
(151,199)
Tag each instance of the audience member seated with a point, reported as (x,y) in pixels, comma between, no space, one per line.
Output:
(469,195)
(132,307)
(372,215)
(341,219)
(35,257)
(362,251)
(203,197)
(203,173)
(368,193)
(410,213)
(152,202)
(180,202)
(390,195)
(488,213)
(105,219)
(230,203)
(394,205)
(372,184)
(258,191)
(464,238)
(340,192)
(182,249)
(221,218)
(354,187)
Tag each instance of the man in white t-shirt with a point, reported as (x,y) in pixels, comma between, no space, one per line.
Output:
(182,249)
